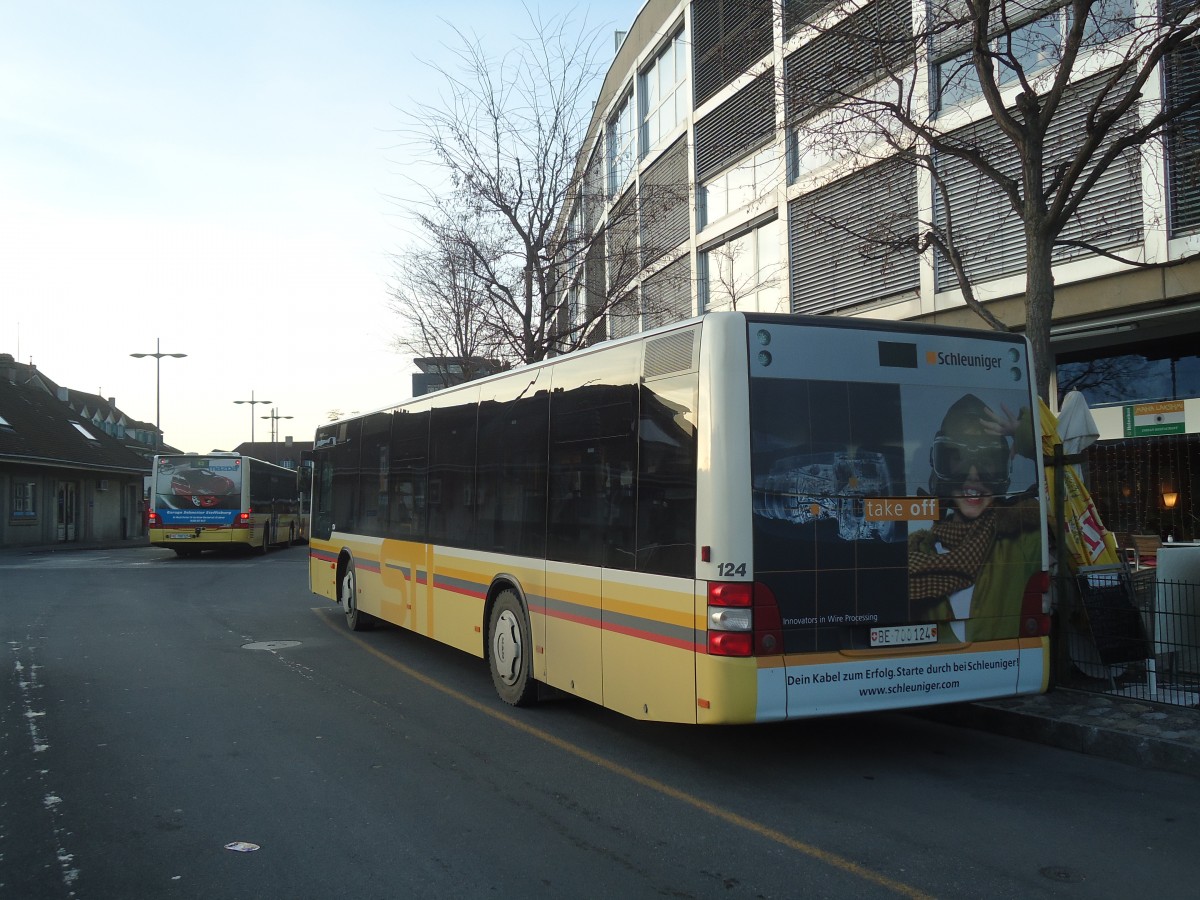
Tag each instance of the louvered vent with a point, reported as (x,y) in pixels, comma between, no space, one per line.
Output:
(729,36)
(855,53)
(664,207)
(799,13)
(670,354)
(1183,145)
(667,294)
(742,123)
(836,240)
(987,230)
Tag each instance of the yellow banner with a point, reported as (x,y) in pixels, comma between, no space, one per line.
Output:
(1087,541)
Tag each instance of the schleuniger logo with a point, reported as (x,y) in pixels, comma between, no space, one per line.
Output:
(978,361)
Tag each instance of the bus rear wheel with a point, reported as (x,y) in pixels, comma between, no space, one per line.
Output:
(266,540)
(356,619)
(510,651)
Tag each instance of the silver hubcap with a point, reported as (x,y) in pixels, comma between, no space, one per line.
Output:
(348,592)
(506,647)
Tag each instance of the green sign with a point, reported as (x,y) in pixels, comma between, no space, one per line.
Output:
(1153,419)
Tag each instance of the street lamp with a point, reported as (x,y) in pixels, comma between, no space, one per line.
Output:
(252,403)
(275,417)
(158,356)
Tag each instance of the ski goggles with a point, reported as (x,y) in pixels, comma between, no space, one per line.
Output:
(953,460)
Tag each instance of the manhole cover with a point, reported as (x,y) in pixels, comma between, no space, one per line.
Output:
(270,645)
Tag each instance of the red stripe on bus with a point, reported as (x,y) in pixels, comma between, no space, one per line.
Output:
(466,592)
(638,633)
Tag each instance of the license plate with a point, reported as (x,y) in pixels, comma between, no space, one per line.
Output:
(181,535)
(895,635)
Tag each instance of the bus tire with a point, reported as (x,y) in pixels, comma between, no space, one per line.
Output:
(356,619)
(266,540)
(510,651)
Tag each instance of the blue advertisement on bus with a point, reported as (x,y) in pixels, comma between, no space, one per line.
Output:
(193,490)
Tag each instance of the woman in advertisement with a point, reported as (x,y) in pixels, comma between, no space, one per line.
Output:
(970,569)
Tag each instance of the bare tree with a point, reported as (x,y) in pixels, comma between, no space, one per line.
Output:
(506,133)
(1112,377)
(1036,104)
(443,302)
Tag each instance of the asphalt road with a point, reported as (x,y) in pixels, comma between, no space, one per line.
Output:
(156,711)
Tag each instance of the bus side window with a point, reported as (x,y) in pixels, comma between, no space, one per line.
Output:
(666,522)
(593,458)
(511,477)
(452,472)
(374,454)
(343,457)
(407,475)
(322,500)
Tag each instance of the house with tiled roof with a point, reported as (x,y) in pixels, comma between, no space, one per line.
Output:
(104,414)
(63,476)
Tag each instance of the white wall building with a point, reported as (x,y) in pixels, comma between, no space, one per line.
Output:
(717,122)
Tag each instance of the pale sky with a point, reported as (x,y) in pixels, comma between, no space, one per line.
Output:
(218,176)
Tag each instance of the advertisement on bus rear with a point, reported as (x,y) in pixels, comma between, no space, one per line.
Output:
(192,490)
(896,494)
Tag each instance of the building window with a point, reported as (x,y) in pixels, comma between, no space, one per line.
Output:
(1030,48)
(1166,368)
(663,98)
(24,500)
(745,273)
(622,141)
(739,186)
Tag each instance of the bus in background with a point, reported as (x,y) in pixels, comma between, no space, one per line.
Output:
(738,518)
(222,500)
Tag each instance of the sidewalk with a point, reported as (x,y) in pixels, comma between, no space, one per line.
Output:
(133,543)
(1150,735)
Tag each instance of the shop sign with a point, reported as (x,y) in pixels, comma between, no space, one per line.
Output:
(1152,419)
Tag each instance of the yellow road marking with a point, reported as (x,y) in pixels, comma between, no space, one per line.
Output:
(832,859)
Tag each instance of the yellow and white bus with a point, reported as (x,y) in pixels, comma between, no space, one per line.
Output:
(738,518)
(222,500)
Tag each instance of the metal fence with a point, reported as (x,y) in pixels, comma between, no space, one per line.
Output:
(1133,635)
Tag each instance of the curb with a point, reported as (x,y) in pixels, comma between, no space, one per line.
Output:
(1145,745)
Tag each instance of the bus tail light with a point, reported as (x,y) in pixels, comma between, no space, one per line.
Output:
(1035,621)
(153,520)
(743,620)
(243,520)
